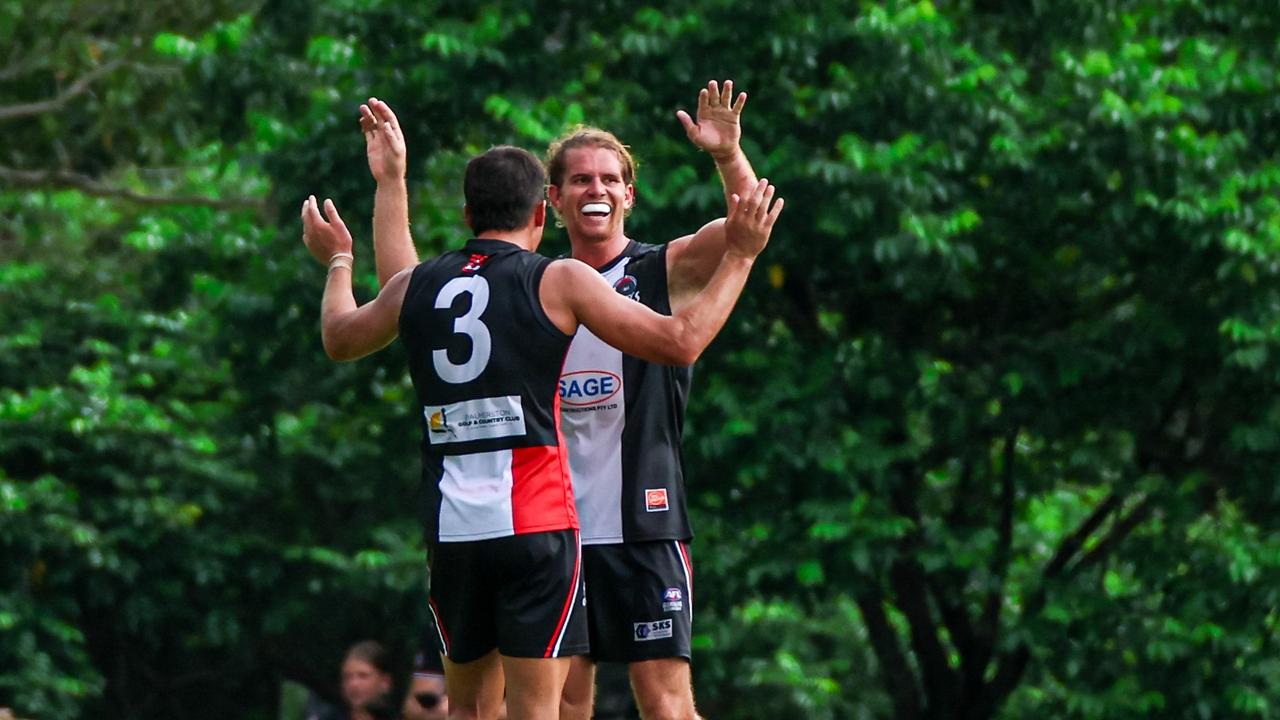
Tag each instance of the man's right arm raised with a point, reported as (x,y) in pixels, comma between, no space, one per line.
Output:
(573,293)
(393,248)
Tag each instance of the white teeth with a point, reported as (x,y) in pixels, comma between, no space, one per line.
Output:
(597,208)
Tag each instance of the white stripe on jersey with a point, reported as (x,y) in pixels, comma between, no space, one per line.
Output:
(475,502)
(591,419)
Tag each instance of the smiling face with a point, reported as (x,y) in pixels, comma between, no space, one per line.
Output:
(593,196)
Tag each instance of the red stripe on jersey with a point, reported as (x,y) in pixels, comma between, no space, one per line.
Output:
(541,492)
(569,601)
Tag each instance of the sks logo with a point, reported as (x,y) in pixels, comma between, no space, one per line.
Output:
(653,630)
(588,387)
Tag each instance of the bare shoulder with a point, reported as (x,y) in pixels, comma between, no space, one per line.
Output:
(564,284)
(571,282)
(567,270)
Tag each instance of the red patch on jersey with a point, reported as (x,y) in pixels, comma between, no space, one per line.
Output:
(475,262)
(655,500)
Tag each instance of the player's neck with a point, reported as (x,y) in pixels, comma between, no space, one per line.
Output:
(524,238)
(598,253)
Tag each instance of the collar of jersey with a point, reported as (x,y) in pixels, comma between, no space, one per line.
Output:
(631,249)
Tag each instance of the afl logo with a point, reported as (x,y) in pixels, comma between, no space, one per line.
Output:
(588,387)
(627,286)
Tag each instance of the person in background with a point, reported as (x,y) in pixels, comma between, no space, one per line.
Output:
(427,698)
(365,685)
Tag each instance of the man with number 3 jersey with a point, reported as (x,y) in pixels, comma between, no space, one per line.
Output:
(486,328)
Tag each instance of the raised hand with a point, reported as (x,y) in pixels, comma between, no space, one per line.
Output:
(324,237)
(718,128)
(751,219)
(384,141)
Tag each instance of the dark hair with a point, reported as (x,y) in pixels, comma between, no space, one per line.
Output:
(372,652)
(502,187)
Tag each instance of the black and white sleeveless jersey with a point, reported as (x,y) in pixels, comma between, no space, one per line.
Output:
(622,419)
(484,359)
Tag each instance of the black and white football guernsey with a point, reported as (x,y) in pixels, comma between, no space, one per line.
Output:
(484,358)
(622,419)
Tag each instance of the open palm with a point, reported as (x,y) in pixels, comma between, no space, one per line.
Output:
(718,128)
(384,140)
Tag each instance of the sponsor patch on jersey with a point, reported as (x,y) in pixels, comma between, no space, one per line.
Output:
(652,630)
(475,262)
(588,387)
(628,286)
(482,419)
(672,600)
(655,500)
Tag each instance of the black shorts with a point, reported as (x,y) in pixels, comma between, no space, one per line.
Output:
(521,594)
(639,600)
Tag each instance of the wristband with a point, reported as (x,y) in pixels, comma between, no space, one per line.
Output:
(341,260)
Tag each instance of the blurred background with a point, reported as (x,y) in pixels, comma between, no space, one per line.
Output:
(994,432)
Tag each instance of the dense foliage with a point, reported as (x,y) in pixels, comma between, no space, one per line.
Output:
(993,434)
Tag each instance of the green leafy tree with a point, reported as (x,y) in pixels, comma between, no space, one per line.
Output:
(991,434)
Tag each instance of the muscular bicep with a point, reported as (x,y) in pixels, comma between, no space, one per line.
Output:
(583,296)
(692,260)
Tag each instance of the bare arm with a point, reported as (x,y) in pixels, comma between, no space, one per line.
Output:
(718,130)
(693,258)
(393,248)
(348,331)
(573,293)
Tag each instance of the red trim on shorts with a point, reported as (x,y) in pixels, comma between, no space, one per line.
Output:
(569,601)
(444,635)
(683,549)
(541,491)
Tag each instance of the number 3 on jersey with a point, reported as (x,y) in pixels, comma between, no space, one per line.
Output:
(470,325)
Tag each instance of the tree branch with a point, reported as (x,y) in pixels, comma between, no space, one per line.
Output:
(67,179)
(894,670)
(1076,540)
(20,68)
(1013,664)
(77,88)
(953,614)
(910,590)
(911,595)
(990,622)
(1008,675)
(1119,531)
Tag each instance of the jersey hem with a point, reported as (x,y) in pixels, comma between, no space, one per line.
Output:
(493,535)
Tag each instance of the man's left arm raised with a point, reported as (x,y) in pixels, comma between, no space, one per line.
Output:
(393,248)
(692,259)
